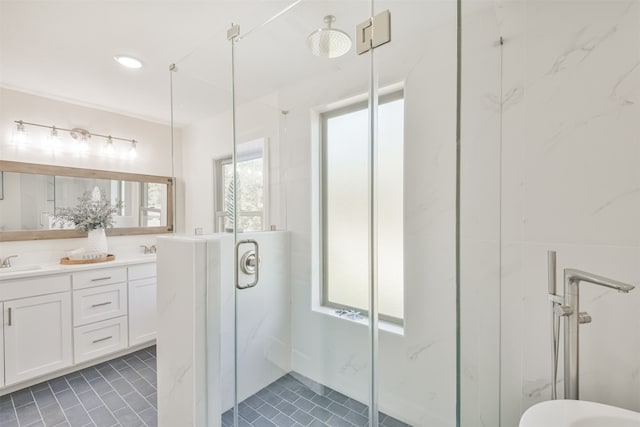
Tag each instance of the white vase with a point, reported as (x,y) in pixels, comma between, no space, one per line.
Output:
(97,241)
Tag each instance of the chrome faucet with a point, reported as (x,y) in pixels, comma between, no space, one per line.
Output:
(149,249)
(6,262)
(571,310)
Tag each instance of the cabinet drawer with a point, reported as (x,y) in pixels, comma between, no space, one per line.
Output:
(142,271)
(32,286)
(99,303)
(98,339)
(98,277)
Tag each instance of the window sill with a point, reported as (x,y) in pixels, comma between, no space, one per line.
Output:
(383,325)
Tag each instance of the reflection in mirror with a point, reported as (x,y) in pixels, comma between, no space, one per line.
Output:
(31,199)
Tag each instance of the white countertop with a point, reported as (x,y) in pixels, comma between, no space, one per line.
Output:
(33,270)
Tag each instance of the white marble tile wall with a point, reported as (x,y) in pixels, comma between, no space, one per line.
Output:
(182,275)
(480,216)
(570,182)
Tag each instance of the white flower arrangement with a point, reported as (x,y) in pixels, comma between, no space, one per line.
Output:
(93,211)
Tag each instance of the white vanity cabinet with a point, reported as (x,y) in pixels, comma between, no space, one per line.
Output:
(55,321)
(37,336)
(142,303)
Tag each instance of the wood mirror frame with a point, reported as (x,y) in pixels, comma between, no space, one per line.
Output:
(33,168)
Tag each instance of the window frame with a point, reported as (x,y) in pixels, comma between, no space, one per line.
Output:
(323,121)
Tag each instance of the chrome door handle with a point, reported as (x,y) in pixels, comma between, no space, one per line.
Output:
(237,262)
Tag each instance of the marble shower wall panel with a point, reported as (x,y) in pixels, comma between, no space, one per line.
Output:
(480,216)
(570,183)
(582,127)
(181,320)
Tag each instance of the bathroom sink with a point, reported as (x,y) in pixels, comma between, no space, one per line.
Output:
(20,268)
(578,413)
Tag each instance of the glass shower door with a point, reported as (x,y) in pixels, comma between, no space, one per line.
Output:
(302,343)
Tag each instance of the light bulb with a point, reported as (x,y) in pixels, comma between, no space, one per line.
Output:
(84,144)
(54,139)
(109,149)
(19,134)
(133,153)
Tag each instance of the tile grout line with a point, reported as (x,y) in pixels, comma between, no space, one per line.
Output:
(100,397)
(76,395)
(134,389)
(34,404)
(64,414)
(15,410)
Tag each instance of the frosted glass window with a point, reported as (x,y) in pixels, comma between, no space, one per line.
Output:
(345,207)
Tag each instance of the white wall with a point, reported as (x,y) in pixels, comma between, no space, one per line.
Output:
(154,158)
(571,183)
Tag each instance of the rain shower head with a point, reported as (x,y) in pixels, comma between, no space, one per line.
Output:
(329,42)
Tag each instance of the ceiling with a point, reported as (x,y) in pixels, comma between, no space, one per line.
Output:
(64,49)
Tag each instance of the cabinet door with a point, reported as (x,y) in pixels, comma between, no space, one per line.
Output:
(37,336)
(142,310)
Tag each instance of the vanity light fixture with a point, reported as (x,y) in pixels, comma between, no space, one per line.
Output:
(128,61)
(54,139)
(80,135)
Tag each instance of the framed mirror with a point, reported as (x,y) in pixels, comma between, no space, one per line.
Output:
(33,193)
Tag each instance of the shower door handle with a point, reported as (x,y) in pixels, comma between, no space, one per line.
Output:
(257,264)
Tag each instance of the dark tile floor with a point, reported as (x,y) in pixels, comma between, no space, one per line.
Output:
(289,402)
(121,392)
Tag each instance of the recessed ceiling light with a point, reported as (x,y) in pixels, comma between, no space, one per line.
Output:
(128,61)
